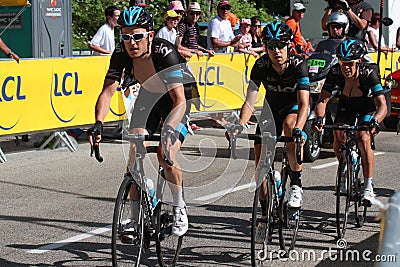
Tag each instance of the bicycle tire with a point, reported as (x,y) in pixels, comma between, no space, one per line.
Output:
(290,218)
(360,209)
(342,199)
(126,252)
(168,246)
(259,251)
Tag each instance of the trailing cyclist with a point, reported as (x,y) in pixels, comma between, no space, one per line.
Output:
(285,77)
(166,85)
(360,97)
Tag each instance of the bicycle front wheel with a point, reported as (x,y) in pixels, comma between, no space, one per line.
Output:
(126,238)
(168,245)
(360,209)
(289,225)
(261,228)
(343,195)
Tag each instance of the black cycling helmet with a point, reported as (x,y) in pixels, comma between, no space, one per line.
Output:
(350,49)
(136,16)
(277,31)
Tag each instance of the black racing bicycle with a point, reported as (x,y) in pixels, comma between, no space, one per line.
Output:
(155,222)
(277,216)
(349,185)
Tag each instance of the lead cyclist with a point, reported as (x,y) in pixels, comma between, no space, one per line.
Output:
(157,66)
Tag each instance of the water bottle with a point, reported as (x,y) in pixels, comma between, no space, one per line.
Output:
(278,182)
(150,186)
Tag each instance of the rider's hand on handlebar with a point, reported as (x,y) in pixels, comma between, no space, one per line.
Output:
(318,124)
(298,133)
(95,131)
(168,137)
(374,126)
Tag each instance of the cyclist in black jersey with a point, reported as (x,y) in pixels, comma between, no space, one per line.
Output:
(360,96)
(166,85)
(285,78)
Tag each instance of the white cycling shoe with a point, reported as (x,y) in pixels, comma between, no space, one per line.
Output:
(181,222)
(368,196)
(295,197)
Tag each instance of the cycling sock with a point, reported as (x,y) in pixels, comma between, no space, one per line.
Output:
(263,203)
(368,183)
(177,200)
(135,210)
(296,178)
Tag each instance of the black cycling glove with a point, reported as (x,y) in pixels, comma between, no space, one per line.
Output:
(374,124)
(318,121)
(97,129)
(168,132)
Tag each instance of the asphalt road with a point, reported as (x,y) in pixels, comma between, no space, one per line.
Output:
(56,206)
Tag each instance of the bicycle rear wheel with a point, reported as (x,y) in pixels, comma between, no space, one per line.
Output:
(261,227)
(126,244)
(342,198)
(289,225)
(168,245)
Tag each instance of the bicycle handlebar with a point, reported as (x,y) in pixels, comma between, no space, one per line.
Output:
(265,136)
(95,148)
(349,128)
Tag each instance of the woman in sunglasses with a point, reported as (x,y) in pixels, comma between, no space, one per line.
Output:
(285,77)
(360,97)
(166,86)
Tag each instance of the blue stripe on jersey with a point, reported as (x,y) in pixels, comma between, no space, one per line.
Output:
(376,88)
(365,118)
(174,74)
(303,80)
(294,108)
(182,129)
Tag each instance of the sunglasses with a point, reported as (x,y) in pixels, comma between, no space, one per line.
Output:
(348,63)
(225,7)
(195,13)
(256,25)
(279,45)
(137,37)
(335,26)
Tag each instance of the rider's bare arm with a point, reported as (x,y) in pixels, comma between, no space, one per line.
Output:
(248,106)
(380,103)
(303,97)
(177,93)
(103,102)
(323,100)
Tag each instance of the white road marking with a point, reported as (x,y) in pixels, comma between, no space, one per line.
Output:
(224,192)
(107,228)
(67,241)
(326,165)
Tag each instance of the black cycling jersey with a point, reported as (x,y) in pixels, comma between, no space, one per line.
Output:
(350,108)
(281,90)
(151,108)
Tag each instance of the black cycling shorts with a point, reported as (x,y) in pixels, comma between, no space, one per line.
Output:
(279,116)
(151,109)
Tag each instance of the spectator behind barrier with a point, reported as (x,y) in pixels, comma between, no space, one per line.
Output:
(245,42)
(103,42)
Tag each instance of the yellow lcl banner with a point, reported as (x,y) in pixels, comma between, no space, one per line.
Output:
(44,94)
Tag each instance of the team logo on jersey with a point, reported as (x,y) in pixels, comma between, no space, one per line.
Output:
(163,50)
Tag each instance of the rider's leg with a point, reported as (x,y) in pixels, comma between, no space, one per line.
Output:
(367,161)
(296,192)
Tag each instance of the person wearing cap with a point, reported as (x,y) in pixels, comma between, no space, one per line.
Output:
(299,43)
(177,7)
(189,31)
(245,42)
(9,53)
(359,13)
(373,35)
(168,31)
(219,33)
(220,38)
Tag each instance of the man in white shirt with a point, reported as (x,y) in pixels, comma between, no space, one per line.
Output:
(103,42)
(219,33)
